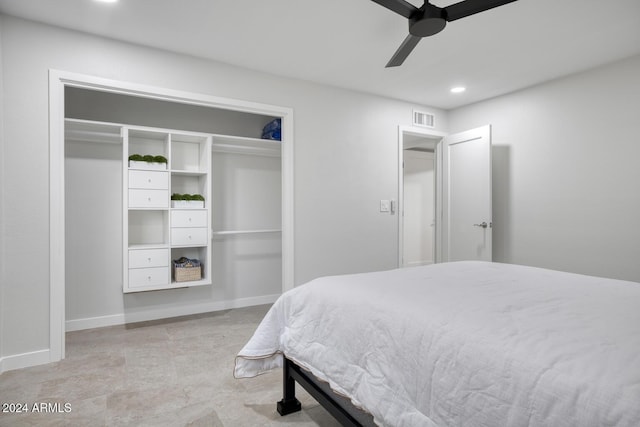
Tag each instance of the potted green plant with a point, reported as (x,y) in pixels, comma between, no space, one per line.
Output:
(187,201)
(138,161)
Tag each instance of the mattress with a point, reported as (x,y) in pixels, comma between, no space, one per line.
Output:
(464,344)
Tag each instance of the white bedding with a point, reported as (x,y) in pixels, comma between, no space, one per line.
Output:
(464,344)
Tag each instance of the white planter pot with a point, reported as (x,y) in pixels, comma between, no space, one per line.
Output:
(187,204)
(135,164)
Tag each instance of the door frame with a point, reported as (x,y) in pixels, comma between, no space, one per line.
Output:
(58,80)
(426,133)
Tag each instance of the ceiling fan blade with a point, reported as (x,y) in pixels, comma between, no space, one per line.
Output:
(471,7)
(400,7)
(403,51)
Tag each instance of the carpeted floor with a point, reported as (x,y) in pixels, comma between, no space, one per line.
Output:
(175,372)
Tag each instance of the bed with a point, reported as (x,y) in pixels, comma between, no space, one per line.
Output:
(457,344)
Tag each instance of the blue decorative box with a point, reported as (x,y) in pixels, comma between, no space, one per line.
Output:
(273,130)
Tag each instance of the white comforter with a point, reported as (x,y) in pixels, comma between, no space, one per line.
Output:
(464,344)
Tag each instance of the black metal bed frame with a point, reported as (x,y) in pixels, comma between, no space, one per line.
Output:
(338,406)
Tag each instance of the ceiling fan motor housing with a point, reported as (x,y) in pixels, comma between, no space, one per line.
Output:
(427,21)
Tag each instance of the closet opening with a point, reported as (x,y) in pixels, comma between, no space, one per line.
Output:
(249,229)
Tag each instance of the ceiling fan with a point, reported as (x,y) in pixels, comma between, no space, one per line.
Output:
(430,19)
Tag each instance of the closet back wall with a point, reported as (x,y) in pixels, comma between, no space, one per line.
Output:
(93,229)
(247,197)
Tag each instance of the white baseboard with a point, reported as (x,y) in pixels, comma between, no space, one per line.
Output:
(94,322)
(24,360)
(142,315)
(418,263)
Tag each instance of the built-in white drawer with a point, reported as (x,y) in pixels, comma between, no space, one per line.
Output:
(189,218)
(149,179)
(148,198)
(145,258)
(142,277)
(189,236)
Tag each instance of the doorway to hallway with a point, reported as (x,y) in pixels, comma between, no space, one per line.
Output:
(418,208)
(417,196)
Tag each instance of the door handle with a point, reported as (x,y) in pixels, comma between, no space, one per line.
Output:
(483,224)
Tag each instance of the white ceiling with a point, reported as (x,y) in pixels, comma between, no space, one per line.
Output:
(347,43)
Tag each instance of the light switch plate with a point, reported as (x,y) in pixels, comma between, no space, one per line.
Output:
(385,205)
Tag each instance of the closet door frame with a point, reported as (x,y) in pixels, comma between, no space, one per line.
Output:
(58,81)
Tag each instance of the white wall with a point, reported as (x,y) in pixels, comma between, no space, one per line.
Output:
(345,160)
(2,203)
(567,171)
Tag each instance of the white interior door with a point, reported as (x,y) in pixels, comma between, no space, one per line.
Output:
(466,195)
(418,209)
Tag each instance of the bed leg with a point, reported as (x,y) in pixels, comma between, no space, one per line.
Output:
(289,404)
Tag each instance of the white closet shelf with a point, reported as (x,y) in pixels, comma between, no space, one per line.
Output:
(244,139)
(149,246)
(183,172)
(190,283)
(146,169)
(176,285)
(86,131)
(245,145)
(236,232)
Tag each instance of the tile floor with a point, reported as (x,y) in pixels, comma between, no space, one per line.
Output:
(175,372)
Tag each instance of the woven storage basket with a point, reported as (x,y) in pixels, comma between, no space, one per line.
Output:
(186,270)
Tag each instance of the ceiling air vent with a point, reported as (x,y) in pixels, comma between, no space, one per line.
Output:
(424,119)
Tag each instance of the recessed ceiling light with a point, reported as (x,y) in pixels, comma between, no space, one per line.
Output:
(107,1)
(458,89)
